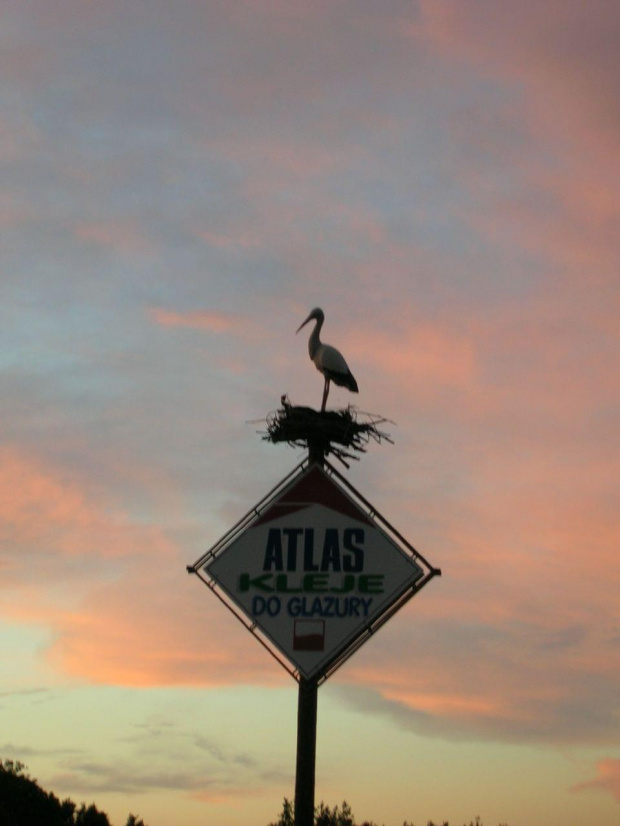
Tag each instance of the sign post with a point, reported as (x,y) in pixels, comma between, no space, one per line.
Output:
(307,706)
(313,571)
(305,767)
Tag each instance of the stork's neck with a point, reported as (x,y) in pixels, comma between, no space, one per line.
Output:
(314,342)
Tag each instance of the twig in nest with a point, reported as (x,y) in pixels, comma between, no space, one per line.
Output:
(333,431)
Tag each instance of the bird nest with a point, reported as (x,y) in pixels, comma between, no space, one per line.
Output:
(335,432)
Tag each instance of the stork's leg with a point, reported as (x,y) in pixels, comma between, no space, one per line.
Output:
(325,394)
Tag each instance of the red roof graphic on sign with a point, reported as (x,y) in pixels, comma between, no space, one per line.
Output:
(314,487)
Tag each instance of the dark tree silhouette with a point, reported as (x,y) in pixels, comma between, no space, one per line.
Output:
(324,816)
(90,816)
(287,815)
(24,803)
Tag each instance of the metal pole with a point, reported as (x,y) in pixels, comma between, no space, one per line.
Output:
(316,452)
(306,752)
(306,717)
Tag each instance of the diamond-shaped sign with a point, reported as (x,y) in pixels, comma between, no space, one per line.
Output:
(314,571)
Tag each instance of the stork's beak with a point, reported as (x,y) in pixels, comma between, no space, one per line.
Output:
(303,324)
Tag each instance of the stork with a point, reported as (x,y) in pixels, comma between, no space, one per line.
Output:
(327,360)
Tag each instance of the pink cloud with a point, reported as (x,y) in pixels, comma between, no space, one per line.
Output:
(427,355)
(143,632)
(41,511)
(560,62)
(101,583)
(196,319)
(565,50)
(528,544)
(537,654)
(507,680)
(607,779)
(276,161)
(240,240)
(124,236)
(570,221)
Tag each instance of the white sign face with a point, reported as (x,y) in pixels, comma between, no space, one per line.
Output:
(313,571)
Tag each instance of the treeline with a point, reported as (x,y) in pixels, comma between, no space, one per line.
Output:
(24,803)
(343,816)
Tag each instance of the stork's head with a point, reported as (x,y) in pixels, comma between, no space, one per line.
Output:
(316,314)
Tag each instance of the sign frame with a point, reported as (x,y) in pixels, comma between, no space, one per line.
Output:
(342,653)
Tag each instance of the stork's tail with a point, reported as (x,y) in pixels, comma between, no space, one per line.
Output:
(343,380)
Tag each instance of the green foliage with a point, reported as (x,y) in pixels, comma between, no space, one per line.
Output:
(24,803)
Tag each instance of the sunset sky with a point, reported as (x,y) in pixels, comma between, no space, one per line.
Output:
(182,182)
